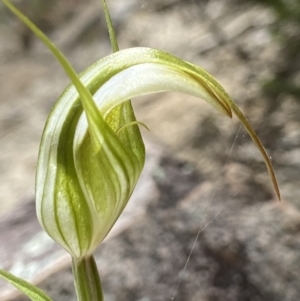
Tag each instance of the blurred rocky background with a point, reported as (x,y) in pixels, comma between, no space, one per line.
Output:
(204,224)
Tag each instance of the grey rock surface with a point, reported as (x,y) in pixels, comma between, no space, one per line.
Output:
(215,189)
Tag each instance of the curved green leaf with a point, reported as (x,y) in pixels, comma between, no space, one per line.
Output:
(31,291)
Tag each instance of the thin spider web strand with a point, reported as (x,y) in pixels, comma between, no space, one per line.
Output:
(202,226)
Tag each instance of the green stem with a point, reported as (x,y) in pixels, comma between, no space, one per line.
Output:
(87,280)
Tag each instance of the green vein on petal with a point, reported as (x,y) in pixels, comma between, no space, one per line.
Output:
(224,103)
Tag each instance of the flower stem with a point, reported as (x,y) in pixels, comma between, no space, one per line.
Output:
(87,280)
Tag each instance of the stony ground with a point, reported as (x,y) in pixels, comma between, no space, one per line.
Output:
(250,249)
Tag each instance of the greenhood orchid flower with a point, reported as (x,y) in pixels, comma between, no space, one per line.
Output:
(92,153)
(82,190)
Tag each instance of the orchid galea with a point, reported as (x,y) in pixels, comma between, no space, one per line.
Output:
(92,152)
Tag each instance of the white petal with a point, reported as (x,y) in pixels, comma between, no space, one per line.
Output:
(140,80)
